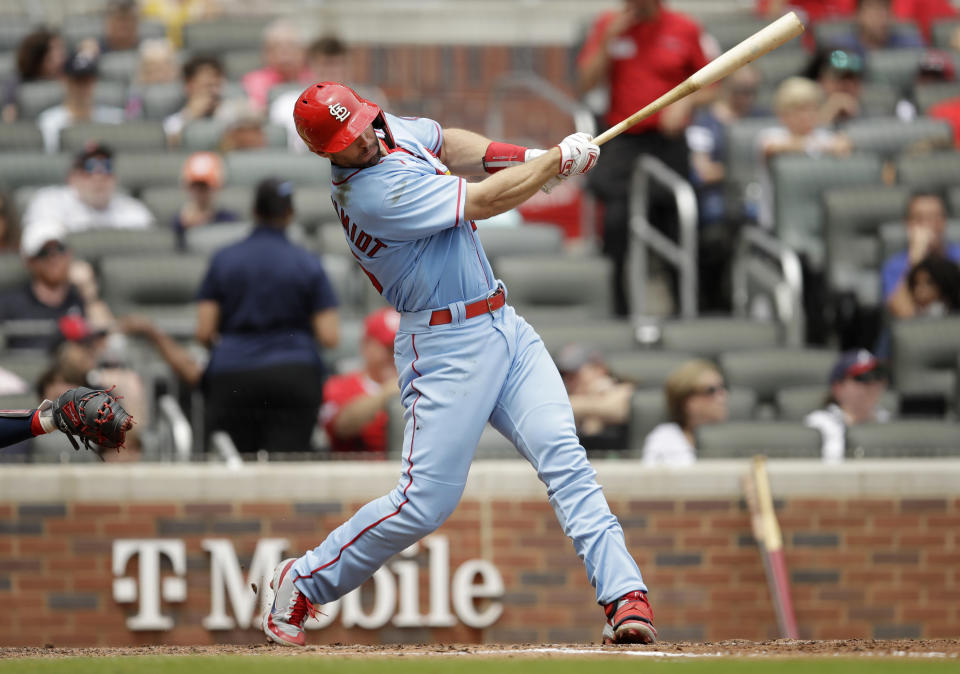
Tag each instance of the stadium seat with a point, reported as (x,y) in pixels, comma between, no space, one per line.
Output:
(159,279)
(248,168)
(96,244)
(904,439)
(8,65)
(942,32)
(12,271)
(606,335)
(744,439)
(20,137)
(19,401)
(647,368)
(493,445)
(138,171)
(742,154)
(211,238)
(832,31)
(896,67)
(648,407)
(953,204)
(889,137)
(28,365)
(796,402)
(929,171)
(166,201)
(925,354)
(283,88)
(799,183)
(162,100)
(139,136)
(35,97)
(852,217)
(733,28)
(708,337)
(239,62)
(13,28)
(120,66)
(780,64)
(224,34)
(878,100)
(20,169)
(523,240)
(928,95)
(205,134)
(312,208)
(557,282)
(768,370)
(893,236)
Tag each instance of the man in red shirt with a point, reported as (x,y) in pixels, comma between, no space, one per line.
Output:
(354,404)
(640,52)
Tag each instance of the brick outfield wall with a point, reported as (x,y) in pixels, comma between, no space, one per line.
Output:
(859,568)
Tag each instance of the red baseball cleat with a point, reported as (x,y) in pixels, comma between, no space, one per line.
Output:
(283,623)
(629,620)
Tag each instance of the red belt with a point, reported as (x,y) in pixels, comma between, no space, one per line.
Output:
(474,309)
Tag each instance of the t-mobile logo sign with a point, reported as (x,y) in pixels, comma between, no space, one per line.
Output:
(396,587)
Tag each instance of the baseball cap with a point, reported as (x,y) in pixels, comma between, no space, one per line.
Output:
(381,325)
(93,149)
(203,167)
(845,62)
(937,64)
(38,234)
(82,63)
(572,357)
(856,365)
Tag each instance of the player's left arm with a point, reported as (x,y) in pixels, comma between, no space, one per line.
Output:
(467,153)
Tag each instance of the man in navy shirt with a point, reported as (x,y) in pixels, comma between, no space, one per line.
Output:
(263,307)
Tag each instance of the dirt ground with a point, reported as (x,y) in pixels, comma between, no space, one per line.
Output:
(948,648)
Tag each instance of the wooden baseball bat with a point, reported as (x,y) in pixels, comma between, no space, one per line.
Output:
(764,40)
(766,530)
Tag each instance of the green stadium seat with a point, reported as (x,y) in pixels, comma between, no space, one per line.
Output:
(905,439)
(138,136)
(744,439)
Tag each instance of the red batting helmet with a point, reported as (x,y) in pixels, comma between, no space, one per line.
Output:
(329,116)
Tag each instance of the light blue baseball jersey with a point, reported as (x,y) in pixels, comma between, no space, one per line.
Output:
(404,222)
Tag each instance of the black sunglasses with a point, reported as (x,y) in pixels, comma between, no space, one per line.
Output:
(51,249)
(98,165)
(711,390)
(870,376)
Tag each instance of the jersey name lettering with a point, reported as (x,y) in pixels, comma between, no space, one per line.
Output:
(339,111)
(357,236)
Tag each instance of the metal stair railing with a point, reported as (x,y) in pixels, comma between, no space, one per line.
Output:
(681,254)
(777,271)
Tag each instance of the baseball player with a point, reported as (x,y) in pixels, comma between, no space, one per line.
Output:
(92,415)
(463,355)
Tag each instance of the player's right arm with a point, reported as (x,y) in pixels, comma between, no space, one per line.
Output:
(512,186)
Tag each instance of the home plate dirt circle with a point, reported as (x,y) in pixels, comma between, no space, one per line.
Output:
(895,648)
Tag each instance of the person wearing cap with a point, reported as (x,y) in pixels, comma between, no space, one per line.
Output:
(79,81)
(263,307)
(244,126)
(857,382)
(354,411)
(202,179)
(695,395)
(839,73)
(601,404)
(49,295)
(90,199)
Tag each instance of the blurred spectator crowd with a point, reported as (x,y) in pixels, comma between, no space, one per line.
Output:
(163,230)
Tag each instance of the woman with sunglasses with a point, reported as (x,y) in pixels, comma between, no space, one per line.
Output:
(695,395)
(857,382)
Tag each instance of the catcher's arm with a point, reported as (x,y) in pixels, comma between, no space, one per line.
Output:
(19,425)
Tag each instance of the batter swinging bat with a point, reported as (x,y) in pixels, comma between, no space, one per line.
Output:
(764,40)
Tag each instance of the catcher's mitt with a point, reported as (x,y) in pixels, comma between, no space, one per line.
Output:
(94,416)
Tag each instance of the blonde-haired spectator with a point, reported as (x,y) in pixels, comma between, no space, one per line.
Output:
(797,105)
(695,395)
